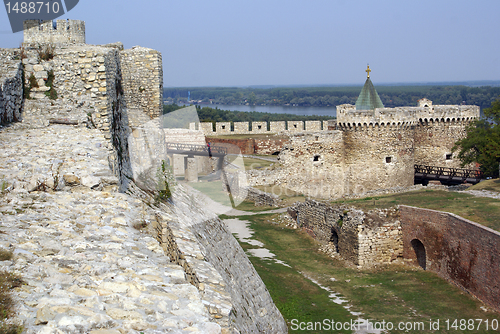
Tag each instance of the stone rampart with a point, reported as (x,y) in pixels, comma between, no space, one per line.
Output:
(38,32)
(142,73)
(11,86)
(461,251)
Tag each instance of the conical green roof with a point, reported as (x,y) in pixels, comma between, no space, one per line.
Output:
(368,98)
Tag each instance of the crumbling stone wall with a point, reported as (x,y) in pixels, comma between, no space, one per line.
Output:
(459,250)
(11,86)
(364,238)
(143,80)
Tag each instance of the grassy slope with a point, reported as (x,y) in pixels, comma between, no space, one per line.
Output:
(482,210)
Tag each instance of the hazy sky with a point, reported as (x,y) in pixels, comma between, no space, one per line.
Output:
(286,42)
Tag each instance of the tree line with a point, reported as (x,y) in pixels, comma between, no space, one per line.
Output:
(391,96)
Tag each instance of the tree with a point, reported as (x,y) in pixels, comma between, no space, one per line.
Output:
(482,143)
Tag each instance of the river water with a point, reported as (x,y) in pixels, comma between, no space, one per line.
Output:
(302,111)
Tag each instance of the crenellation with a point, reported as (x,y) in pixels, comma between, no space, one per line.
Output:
(40,32)
(313,126)
(259,127)
(241,127)
(223,128)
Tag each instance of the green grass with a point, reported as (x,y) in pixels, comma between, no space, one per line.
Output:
(215,192)
(286,195)
(392,293)
(252,163)
(483,210)
(492,185)
(8,281)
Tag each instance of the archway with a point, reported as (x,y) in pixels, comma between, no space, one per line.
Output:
(419,249)
(334,238)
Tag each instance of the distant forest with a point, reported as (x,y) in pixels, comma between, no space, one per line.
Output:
(392,96)
(208,114)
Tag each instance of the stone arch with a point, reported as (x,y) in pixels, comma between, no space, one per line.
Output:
(420,254)
(334,239)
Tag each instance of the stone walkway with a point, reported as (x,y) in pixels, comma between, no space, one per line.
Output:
(86,268)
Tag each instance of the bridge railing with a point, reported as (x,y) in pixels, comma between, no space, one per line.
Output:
(450,173)
(196,148)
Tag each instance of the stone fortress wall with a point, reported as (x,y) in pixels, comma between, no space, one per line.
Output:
(116,91)
(237,128)
(11,86)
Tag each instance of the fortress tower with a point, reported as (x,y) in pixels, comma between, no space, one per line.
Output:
(48,32)
(374,147)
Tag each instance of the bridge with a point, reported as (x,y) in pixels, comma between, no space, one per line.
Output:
(193,149)
(449,176)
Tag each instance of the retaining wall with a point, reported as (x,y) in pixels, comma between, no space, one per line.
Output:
(457,249)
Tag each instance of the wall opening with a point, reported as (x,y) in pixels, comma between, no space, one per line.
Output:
(419,249)
(260,127)
(295,125)
(223,127)
(388,160)
(449,156)
(316,157)
(334,239)
(276,153)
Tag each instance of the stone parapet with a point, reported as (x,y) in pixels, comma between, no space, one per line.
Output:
(38,32)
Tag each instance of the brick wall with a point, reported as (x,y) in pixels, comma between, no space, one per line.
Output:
(459,250)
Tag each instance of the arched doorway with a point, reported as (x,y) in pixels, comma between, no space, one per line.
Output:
(419,249)
(334,239)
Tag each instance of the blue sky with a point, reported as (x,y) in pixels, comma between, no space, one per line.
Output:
(295,42)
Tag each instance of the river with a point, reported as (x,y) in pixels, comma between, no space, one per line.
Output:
(302,111)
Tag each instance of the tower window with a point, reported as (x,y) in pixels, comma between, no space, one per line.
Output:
(260,127)
(388,160)
(223,127)
(449,156)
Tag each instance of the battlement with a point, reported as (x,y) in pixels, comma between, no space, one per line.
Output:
(348,117)
(48,32)
(226,128)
